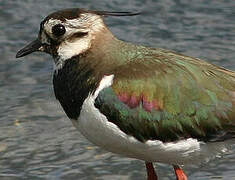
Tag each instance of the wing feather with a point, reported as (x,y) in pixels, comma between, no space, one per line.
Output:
(170,97)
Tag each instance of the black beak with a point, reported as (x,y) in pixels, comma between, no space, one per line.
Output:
(30,48)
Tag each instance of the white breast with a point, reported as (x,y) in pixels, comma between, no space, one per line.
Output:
(97,129)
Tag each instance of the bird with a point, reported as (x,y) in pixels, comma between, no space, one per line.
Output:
(147,103)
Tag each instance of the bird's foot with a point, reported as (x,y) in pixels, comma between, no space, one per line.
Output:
(180,175)
(150,171)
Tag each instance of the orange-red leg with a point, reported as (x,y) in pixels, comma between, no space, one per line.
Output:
(150,171)
(180,175)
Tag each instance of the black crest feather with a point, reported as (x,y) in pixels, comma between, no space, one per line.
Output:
(108,13)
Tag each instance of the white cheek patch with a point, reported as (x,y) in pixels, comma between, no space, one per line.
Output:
(67,49)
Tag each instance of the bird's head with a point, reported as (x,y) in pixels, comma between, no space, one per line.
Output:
(69,32)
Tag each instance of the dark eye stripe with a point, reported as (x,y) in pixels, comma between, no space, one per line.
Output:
(77,35)
(80,34)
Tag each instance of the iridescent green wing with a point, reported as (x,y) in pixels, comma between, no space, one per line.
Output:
(167,96)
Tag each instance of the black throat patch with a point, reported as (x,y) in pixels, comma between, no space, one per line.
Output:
(72,85)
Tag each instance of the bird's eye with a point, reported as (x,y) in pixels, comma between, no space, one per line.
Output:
(58,30)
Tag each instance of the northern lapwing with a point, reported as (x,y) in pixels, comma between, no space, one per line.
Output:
(147,103)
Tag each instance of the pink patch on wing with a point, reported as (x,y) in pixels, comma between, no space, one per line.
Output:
(123,97)
(132,101)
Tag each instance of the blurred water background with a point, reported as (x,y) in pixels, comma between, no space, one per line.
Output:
(37,141)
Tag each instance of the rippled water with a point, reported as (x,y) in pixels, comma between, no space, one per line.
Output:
(37,141)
